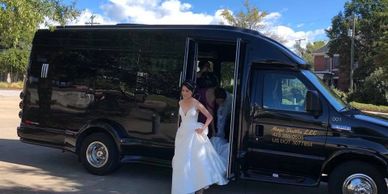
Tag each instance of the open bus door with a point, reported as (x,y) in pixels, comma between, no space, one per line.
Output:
(235,118)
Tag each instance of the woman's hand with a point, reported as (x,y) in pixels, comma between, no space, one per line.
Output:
(208,116)
(199,130)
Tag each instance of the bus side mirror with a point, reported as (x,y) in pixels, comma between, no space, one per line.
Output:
(313,104)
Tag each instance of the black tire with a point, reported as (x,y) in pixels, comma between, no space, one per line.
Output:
(344,171)
(106,148)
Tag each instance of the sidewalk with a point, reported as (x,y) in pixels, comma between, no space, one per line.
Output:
(9,93)
(376,113)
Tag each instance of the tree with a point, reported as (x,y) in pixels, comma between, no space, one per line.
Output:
(369,37)
(252,19)
(310,48)
(307,53)
(18,22)
(381,44)
(374,84)
(299,50)
(340,43)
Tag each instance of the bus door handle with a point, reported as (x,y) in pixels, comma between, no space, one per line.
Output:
(259,131)
(254,110)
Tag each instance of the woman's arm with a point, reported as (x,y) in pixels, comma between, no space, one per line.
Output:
(205,112)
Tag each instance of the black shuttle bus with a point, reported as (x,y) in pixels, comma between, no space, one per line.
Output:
(110,94)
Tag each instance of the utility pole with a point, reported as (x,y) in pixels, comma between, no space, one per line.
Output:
(352,53)
(92,20)
(298,42)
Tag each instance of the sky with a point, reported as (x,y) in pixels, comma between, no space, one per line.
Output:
(290,19)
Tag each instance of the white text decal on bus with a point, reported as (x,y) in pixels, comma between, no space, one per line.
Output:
(43,73)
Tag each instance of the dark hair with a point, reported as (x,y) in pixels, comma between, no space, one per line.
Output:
(201,64)
(207,80)
(189,85)
(220,93)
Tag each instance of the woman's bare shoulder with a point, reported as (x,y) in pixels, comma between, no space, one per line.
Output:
(194,100)
(196,103)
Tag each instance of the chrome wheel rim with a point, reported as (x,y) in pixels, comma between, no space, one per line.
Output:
(97,154)
(359,184)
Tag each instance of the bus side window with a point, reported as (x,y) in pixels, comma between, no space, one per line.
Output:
(283,92)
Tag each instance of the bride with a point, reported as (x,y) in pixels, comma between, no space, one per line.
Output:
(196,165)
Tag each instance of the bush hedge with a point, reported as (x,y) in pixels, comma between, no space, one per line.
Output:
(370,107)
(13,85)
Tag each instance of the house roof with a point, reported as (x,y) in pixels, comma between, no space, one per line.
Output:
(322,50)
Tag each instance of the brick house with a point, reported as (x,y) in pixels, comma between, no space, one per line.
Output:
(326,67)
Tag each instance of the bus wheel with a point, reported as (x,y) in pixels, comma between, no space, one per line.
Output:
(99,154)
(356,177)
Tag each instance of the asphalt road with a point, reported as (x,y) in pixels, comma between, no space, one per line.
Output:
(28,169)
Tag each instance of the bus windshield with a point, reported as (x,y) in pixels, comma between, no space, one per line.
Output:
(333,99)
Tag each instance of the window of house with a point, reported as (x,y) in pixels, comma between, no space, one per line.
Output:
(335,61)
(327,63)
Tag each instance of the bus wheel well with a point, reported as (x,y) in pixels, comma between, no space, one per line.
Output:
(343,158)
(88,132)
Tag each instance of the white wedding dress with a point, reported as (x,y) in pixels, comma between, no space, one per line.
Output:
(195,164)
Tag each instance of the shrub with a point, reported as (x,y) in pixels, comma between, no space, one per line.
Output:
(374,90)
(13,85)
(362,106)
(341,94)
(370,107)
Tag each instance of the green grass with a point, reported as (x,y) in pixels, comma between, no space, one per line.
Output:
(370,107)
(13,85)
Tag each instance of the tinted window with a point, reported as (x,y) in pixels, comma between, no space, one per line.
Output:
(283,92)
(115,59)
(133,74)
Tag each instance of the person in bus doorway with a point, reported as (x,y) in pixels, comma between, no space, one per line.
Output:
(196,165)
(207,82)
(220,140)
(224,103)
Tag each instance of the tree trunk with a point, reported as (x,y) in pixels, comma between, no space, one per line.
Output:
(9,77)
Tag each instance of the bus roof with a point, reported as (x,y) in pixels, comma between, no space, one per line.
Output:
(299,61)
